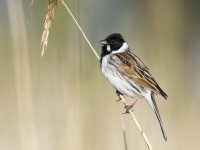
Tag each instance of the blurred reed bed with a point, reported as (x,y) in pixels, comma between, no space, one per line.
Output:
(22,78)
(61,101)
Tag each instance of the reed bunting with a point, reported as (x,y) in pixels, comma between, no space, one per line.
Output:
(128,74)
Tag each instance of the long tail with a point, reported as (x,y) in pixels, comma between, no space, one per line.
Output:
(152,103)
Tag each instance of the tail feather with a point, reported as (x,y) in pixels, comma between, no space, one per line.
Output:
(153,104)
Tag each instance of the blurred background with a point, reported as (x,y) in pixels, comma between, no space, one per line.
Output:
(62,101)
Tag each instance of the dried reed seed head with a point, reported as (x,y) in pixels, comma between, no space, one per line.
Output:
(47,23)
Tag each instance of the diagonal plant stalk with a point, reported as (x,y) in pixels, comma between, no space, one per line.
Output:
(124,134)
(121,96)
(137,124)
(84,35)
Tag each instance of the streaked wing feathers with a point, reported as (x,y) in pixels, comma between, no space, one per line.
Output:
(135,69)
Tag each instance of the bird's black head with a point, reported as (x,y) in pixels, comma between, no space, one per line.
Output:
(111,43)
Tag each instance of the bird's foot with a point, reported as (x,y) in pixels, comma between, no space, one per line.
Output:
(129,107)
(118,94)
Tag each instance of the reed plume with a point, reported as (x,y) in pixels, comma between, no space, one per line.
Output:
(47,23)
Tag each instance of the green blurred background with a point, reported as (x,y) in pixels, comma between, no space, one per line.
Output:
(62,101)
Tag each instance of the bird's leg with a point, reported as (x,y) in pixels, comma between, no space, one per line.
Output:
(129,107)
(118,94)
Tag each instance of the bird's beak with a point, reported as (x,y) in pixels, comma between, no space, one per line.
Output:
(103,42)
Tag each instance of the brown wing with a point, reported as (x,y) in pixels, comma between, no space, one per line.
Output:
(136,70)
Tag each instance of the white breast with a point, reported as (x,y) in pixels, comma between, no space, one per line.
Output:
(117,80)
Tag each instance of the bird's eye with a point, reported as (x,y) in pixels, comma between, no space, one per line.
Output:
(108,48)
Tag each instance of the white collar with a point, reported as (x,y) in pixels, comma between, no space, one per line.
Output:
(122,49)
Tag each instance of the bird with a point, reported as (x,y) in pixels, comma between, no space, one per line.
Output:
(128,74)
